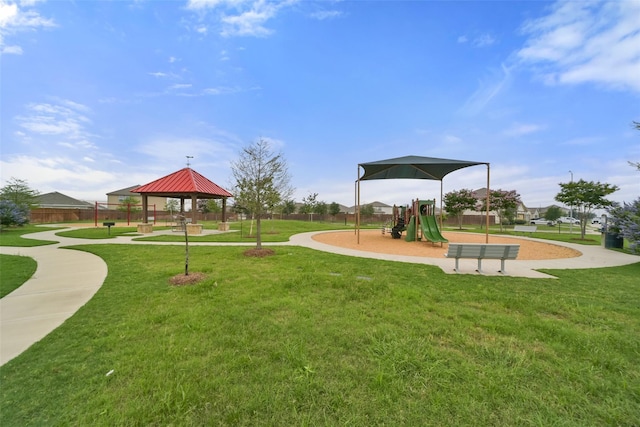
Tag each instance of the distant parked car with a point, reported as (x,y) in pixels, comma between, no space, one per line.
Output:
(568,220)
(595,221)
(541,221)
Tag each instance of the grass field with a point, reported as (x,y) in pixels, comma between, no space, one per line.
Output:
(15,271)
(13,236)
(311,338)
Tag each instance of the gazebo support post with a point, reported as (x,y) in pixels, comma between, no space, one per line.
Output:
(145,227)
(194,209)
(224,225)
(194,227)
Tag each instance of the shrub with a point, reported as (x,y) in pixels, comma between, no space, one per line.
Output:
(13,214)
(625,220)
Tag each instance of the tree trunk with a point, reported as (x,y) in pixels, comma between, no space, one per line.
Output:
(258,233)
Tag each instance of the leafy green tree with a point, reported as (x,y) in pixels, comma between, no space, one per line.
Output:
(321,208)
(129,204)
(288,207)
(503,202)
(209,206)
(553,213)
(457,202)
(367,210)
(308,203)
(585,196)
(334,209)
(262,181)
(173,205)
(18,191)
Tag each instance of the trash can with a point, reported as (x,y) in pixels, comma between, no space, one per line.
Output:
(613,241)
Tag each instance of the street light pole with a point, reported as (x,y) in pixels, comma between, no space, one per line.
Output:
(571,211)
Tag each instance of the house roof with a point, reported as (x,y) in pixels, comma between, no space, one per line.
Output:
(124,191)
(61,201)
(185,182)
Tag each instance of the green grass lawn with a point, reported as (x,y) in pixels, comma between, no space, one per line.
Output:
(312,338)
(15,271)
(13,236)
(272,231)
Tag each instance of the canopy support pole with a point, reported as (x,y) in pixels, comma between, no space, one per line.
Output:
(488,192)
(440,205)
(358,208)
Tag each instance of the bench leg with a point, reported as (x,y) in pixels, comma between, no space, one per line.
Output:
(479,270)
(456,268)
(502,270)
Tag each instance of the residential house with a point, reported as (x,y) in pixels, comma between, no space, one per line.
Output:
(116,197)
(56,200)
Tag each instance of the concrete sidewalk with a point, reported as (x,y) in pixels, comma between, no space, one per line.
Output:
(66,279)
(592,257)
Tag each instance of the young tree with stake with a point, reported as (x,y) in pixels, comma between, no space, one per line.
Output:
(262,181)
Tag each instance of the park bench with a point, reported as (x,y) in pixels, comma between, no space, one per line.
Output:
(525,228)
(482,251)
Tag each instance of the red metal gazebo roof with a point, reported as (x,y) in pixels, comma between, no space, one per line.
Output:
(185,182)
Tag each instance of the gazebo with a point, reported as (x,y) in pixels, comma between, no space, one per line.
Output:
(183,184)
(414,167)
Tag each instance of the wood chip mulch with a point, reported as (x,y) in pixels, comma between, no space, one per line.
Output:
(191,279)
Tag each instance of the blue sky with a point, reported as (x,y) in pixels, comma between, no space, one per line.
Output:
(101,95)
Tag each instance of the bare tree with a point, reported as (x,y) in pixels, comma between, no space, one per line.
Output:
(262,181)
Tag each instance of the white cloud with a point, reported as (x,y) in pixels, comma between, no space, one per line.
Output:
(180,86)
(12,50)
(250,23)
(586,42)
(14,20)
(452,139)
(488,89)
(65,120)
(240,17)
(326,14)
(55,173)
(164,149)
(520,129)
(8,13)
(484,40)
(584,141)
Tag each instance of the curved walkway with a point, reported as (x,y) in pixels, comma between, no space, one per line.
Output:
(66,279)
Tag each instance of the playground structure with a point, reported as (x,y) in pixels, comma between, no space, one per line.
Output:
(419,222)
(415,167)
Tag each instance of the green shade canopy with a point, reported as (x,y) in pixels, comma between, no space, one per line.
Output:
(413,167)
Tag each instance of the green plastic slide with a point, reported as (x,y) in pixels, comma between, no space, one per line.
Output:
(411,230)
(430,229)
